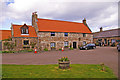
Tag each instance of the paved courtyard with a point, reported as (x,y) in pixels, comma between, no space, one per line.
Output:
(106,55)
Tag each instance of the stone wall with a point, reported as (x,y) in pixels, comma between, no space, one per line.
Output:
(19,42)
(45,38)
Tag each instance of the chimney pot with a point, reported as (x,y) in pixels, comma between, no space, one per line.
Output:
(101,29)
(84,21)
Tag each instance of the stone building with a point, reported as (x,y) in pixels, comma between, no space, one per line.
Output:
(107,37)
(51,34)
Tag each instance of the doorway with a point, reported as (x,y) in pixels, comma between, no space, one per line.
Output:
(74,45)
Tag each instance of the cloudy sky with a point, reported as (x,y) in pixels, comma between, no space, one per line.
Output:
(98,13)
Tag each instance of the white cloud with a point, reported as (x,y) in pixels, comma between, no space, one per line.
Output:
(98,12)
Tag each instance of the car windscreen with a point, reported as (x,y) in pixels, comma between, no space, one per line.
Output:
(90,45)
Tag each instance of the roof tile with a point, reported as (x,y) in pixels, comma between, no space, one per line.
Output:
(5,34)
(17,31)
(61,26)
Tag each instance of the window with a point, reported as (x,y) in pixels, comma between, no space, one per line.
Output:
(52,33)
(79,39)
(66,44)
(24,31)
(52,45)
(84,34)
(65,34)
(26,42)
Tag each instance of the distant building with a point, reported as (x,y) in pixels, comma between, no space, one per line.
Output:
(5,34)
(107,37)
(51,34)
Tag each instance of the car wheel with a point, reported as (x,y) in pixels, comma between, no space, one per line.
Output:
(86,48)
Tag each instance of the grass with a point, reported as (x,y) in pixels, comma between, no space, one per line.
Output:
(52,71)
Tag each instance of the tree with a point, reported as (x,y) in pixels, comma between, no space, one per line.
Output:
(9,45)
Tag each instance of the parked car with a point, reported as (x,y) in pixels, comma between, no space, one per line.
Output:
(118,46)
(88,46)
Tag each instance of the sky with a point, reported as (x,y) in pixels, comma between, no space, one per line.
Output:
(98,13)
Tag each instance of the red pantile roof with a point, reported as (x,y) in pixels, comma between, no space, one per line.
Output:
(17,31)
(61,26)
(5,34)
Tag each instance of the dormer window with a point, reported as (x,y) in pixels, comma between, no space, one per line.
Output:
(24,29)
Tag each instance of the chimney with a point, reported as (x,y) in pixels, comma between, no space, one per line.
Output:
(34,18)
(84,21)
(101,29)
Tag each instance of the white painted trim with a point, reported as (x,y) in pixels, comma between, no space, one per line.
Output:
(24,34)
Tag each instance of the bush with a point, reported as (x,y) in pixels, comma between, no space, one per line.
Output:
(8,51)
(97,44)
(9,45)
(32,44)
(60,49)
(26,46)
(71,48)
(63,59)
(45,49)
(30,50)
(23,50)
(66,46)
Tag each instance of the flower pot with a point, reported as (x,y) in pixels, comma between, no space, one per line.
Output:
(64,65)
(53,49)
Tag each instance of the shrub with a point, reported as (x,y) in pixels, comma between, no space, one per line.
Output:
(45,49)
(23,50)
(6,43)
(60,49)
(24,46)
(66,46)
(63,59)
(52,47)
(97,44)
(30,50)
(9,39)
(32,44)
(9,45)
(71,48)
(8,51)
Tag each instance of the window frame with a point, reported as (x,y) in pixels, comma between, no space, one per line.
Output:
(65,34)
(66,43)
(24,42)
(84,34)
(52,33)
(52,44)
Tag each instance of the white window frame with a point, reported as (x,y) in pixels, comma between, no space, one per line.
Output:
(66,43)
(52,44)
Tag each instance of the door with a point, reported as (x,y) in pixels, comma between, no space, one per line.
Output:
(74,44)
